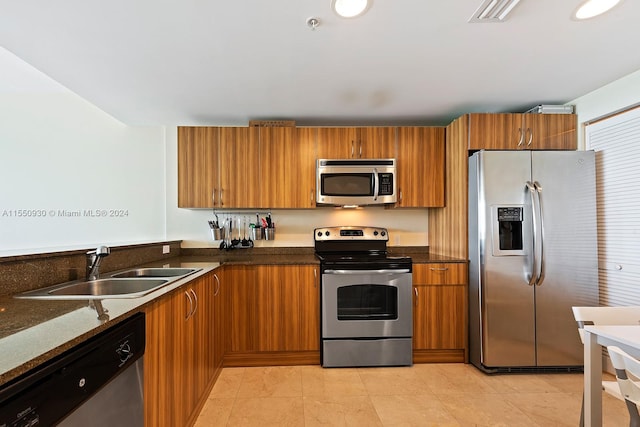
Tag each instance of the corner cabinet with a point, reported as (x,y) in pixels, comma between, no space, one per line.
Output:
(179,357)
(273,315)
(420,156)
(529,131)
(440,313)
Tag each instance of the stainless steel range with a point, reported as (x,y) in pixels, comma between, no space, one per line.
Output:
(366,299)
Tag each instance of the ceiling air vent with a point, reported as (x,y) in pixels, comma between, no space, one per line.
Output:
(493,10)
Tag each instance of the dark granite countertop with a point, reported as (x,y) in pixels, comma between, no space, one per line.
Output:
(34,331)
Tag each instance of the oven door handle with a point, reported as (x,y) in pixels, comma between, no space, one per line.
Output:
(383,271)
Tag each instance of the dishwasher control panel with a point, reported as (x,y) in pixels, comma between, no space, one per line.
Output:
(51,392)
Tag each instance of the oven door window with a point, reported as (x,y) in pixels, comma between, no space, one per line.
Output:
(347,184)
(367,302)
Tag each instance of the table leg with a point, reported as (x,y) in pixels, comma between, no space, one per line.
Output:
(592,381)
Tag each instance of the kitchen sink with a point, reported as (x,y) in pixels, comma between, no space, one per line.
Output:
(104,287)
(132,283)
(155,272)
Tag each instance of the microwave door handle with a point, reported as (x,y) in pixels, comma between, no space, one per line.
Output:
(376,184)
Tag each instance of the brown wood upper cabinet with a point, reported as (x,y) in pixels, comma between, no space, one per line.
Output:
(420,165)
(356,143)
(246,167)
(198,167)
(522,131)
(239,167)
(218,167)
(287,167)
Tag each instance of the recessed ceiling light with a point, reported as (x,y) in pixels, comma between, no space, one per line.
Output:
(592,8)
(350,8)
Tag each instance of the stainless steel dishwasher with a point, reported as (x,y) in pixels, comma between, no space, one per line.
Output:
(97,383)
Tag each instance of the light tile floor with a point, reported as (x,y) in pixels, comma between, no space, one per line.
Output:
(421,395)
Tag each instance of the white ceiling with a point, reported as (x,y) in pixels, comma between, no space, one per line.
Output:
(199,62)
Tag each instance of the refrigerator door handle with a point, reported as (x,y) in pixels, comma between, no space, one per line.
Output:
(540,278)
(534,218)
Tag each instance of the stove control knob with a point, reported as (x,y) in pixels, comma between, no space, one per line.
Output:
(326,233)
(375,233)
(319,233)
(382,233)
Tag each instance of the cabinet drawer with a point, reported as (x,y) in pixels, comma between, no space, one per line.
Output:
(440,274)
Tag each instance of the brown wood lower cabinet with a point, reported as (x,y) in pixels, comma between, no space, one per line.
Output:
(440,312)
(273,315)
(179,368)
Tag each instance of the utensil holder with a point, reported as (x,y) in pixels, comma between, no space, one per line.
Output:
(256,233)
(217,233)
(269,233)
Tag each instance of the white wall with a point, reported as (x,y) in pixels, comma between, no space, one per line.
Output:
(59,153)
(407,227)
(618,95)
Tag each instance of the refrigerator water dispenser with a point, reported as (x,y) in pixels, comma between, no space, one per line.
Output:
(507,230)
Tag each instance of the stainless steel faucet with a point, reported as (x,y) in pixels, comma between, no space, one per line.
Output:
(94,259)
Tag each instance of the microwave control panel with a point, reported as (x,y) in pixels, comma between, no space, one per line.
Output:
(386,184)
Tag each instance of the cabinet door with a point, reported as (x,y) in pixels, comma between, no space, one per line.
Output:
(496,132)
(337,143)
(376,143)
(200,338)
(440,310)
(159,372)
(310,307)
(288,308)
(286,168)
(438,318)
(219,326)
(240,289)
(420,165)
(551,131)
(167,394)
(198,167)
(240,166)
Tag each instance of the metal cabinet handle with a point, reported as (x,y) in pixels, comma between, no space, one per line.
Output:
(217,288)
(415,291)
(439,269)
(520,137)
(360,154)
(221,203)
(311,195)
(190,306)
(315,277)
(195,297)
(530,136)
(352,151)
(400,196)
(213,196)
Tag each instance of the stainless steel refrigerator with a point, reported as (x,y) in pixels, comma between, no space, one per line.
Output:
(533,255)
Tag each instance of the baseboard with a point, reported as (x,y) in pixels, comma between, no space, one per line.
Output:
(438,356)
(272,358)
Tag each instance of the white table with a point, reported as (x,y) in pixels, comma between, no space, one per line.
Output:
(596,337)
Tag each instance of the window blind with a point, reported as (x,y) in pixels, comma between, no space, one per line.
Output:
(616,141)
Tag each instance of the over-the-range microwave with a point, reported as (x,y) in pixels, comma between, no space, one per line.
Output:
(355,182)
